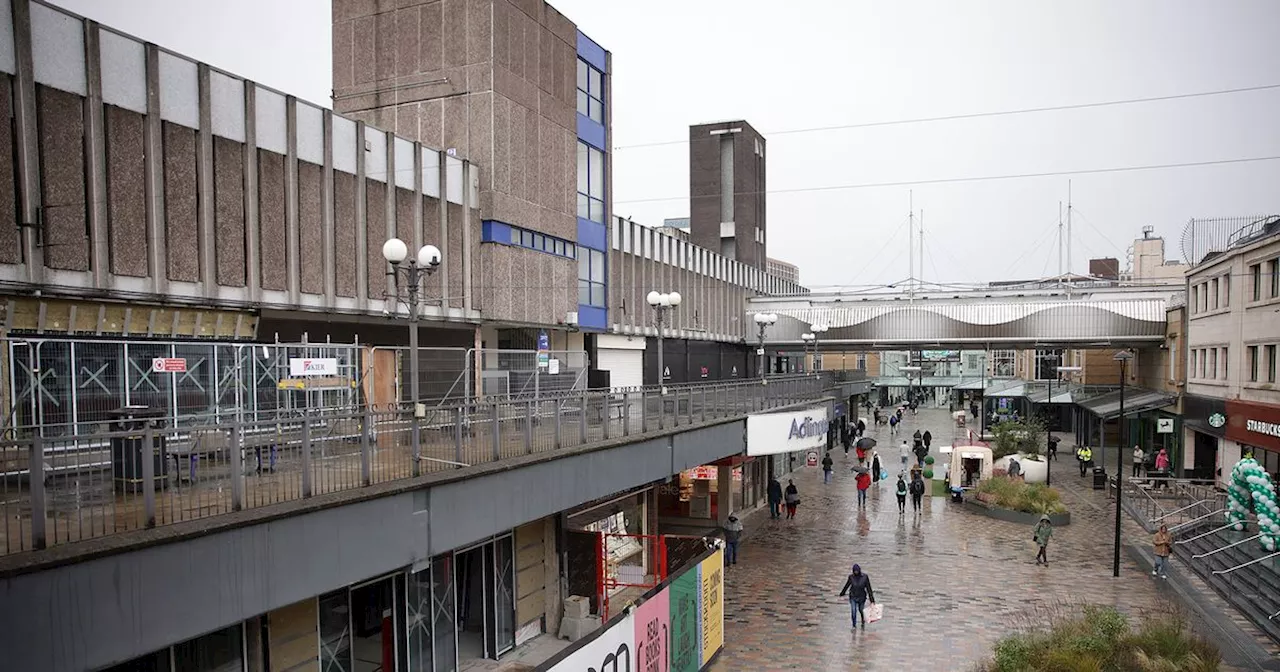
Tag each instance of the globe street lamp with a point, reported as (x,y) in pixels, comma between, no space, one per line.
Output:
(909,369)
(662,304)
(809,339)
(816,331)
(1048,427)
(423,264)
(763,321)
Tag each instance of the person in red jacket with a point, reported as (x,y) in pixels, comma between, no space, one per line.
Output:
(864,482)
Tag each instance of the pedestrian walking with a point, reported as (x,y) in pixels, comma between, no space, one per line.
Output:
(732,534)
(917,491)
(858,588)
(917,439)
(864,482)
(1043,530)
(1162,460)
(792,498)
(775,498)
(827,462)
(893,423)
(928,438)
(862,427)
(1163,543)
(906,454)
(1139,459)
(875,466)
(1085,456)
(1015,468)
(1053,448)
(901,491)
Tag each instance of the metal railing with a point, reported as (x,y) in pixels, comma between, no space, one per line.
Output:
(128,475)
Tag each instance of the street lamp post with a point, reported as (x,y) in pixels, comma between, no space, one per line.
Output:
(763,321)
(1123,357)
(909,369)
(662,303)
(817,330)
(1048,427)
(423,264)
(809,339)
(982,408)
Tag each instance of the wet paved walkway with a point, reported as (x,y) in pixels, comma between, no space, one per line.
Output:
(952,581)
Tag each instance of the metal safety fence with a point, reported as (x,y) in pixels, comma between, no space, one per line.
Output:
(101,478)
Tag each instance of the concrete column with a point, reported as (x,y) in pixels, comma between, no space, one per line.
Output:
(95,151)
(468,174)
(326,211)
(390,198)
(204,181)
(551,588)
(724,492)
(362,224)
(153,143)
(27,144)
(446,259)
(252,222)
(293,237)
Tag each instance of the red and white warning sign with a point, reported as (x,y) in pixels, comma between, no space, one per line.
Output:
(169,365)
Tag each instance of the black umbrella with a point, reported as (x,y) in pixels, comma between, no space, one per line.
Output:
(860,469)
(866,443)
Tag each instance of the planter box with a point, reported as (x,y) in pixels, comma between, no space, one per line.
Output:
(1009,515)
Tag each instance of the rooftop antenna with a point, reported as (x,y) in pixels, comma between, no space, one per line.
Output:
(1060,276)
(1068,234)
(921,248)
(911,245)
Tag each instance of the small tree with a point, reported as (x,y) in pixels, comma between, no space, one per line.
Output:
(1018,436)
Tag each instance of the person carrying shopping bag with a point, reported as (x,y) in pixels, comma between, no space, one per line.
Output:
(858,587)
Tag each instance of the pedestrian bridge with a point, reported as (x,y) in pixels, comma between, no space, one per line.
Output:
(1109,317)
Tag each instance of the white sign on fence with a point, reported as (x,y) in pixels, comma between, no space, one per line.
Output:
(299,366)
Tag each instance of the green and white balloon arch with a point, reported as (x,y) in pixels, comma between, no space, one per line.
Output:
(1252,490)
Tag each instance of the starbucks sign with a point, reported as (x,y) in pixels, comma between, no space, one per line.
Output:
(1217,420)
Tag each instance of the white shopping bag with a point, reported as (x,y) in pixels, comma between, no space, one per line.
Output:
(875,612)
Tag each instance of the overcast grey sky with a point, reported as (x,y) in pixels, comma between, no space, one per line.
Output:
(806,64)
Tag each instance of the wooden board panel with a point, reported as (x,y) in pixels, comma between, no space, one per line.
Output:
(293,637)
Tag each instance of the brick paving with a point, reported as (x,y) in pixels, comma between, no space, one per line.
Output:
(952,581)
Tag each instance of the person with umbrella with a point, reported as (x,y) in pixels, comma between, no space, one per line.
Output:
(863,445)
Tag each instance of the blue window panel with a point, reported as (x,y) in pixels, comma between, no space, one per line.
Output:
(591,317)
(592,234)
(492,231)
(591,52)
(591,133)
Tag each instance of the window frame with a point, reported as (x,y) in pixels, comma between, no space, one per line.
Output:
(1255,274)
(1252,354)
(585,173)
(1270,350)
(588,260)
(585,74)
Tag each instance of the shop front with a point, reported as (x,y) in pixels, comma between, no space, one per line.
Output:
(1204,436)
(611,548)
(1255,428)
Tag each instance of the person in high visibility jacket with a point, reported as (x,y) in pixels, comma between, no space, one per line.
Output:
(1086,460)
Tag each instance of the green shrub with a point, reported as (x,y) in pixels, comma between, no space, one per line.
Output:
(928,474)
(1018,495)
(1098,639)
(928,459)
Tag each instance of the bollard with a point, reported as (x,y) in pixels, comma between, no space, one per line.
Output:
(237,469)
(39,510)
(366,452)
(147,452)
(306,454)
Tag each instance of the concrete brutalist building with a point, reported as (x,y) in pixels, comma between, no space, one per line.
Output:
(727,191)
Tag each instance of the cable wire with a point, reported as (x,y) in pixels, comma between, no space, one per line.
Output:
(979,115)
(977,178)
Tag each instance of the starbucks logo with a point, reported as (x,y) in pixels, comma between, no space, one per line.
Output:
(1217,420)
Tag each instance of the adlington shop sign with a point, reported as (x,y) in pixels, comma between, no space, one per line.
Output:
(777,433)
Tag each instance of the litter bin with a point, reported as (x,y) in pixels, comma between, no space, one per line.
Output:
(1099,478)
(128,451)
